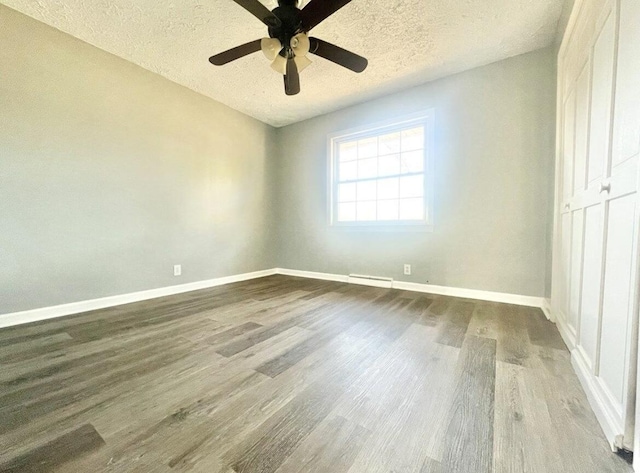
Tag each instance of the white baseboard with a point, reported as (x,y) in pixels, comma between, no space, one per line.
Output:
(312,275)
(27,316)
(567,335)
(476,294)
(514,299)
(546,308)
(603,407)
(35,315)
(598,400)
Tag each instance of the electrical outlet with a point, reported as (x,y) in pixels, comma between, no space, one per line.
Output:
(407,269)
(177,270)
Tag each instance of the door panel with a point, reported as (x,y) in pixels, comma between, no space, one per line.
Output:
(568,140)
(626,134)
(591,282)
(566,262)
(601,90)
(582,128)
(576,269)
(617,294)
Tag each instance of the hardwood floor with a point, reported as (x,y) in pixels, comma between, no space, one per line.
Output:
(287,375)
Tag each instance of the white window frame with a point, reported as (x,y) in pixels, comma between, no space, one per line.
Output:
(426,119)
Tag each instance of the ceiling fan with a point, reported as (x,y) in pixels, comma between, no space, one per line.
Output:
(288,43)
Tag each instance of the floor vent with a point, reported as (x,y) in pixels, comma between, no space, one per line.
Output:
(370,280)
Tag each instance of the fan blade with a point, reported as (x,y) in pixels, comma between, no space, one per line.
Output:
(338,55)
(236,53)
(292,78)
(317,11)
(261,12)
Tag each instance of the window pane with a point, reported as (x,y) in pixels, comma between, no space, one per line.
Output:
(368,148)
(347,212)
(413,139)
(389,165)
(348,151)
(412,186)
(412,161)
(348,171)
(367,168)
(389,144)
(411,209)
(347,193)
(381,177)
(389,188)
(388,209)
(366,211)
(367,190)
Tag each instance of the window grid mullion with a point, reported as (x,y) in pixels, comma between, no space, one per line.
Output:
(380,178)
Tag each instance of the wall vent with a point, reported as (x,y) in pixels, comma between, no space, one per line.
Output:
(375,281)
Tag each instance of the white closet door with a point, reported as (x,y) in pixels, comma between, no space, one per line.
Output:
(598,228)
(623,184)
(578,183)
(568,139)
(594,88)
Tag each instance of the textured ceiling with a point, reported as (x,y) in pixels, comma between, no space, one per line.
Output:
(407,42)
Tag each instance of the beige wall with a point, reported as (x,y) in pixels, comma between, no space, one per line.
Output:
(110,175)
(494,184)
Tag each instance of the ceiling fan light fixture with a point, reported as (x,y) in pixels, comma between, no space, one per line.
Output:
(300,44)
(288,43)
(271,47)
(279,64)
(302,62)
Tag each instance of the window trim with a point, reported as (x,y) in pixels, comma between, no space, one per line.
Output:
(425,118)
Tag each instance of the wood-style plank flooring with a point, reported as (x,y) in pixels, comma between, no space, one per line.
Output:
(285,375)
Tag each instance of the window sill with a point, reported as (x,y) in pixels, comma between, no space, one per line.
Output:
(383,228)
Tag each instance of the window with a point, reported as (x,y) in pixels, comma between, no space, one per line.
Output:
(380,176)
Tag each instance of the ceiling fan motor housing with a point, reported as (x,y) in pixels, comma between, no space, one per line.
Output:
(289,3)
(291,24)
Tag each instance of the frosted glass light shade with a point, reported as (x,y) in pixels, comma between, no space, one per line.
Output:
(279,64)
(302,62)
(300,44)
(270,47)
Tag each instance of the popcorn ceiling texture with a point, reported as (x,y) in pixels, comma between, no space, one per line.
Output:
(407,42)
